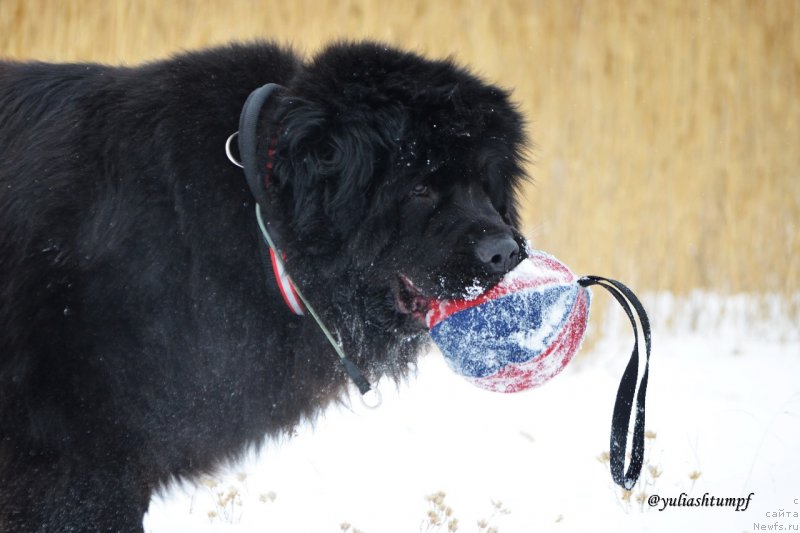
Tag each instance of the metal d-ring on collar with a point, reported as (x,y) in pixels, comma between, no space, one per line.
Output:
(370,396)
(228,152)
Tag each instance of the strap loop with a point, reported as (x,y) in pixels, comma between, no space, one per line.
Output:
(620,419)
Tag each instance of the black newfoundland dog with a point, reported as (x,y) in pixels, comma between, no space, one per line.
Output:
(142,334)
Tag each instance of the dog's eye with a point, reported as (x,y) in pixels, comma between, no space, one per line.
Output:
(420,190)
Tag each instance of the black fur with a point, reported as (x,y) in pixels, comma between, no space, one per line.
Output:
(142,337)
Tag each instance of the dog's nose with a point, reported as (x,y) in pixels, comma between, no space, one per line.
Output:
(498,254)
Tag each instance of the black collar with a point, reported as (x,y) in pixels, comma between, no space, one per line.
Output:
(248,151)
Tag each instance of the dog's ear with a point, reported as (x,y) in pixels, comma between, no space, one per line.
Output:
(324,166)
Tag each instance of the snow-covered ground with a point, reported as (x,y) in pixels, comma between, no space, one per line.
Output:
(723,418)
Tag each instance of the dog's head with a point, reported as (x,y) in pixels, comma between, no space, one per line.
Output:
(398,173)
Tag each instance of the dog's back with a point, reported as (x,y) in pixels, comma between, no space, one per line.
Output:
(103,176)
(43,170)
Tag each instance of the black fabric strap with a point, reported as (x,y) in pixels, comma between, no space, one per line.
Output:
(356,375)
(248,139)
(620,420)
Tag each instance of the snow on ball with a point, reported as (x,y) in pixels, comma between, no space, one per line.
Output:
(518,334)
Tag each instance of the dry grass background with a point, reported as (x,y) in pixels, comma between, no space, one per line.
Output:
(667,133)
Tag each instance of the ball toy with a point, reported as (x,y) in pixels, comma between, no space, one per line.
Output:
(520,333)
(523,331)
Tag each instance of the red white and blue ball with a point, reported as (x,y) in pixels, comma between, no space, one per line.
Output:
(520,333)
